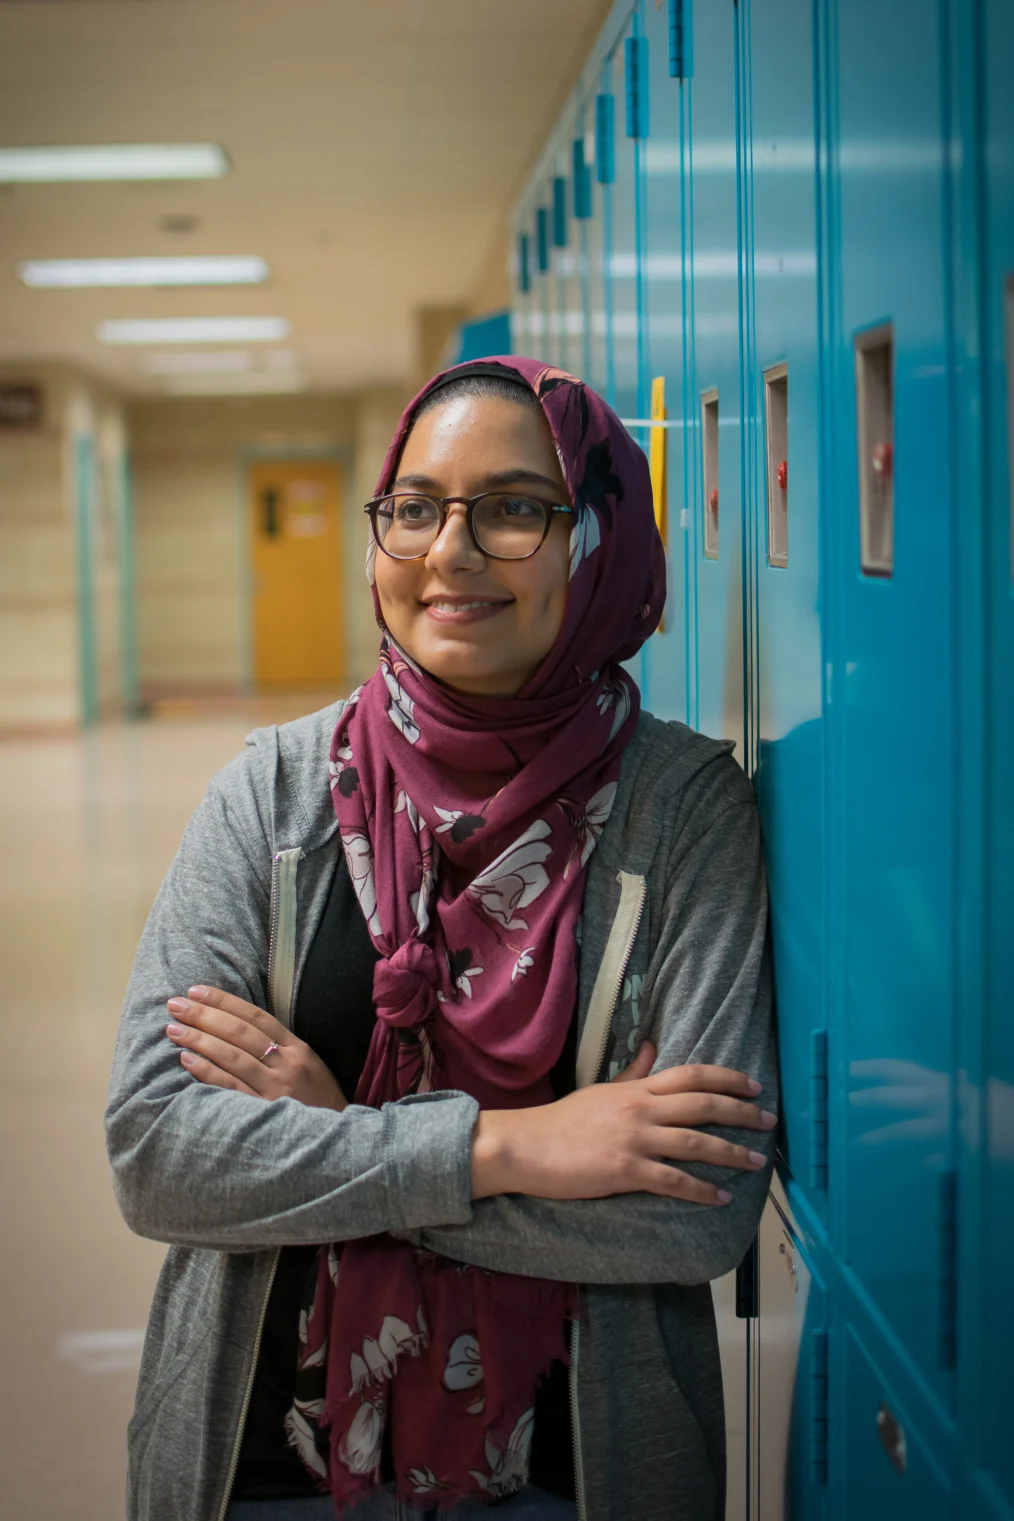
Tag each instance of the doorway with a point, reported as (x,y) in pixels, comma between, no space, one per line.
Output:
(294,509)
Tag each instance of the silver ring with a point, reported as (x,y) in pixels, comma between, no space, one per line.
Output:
(273,1047)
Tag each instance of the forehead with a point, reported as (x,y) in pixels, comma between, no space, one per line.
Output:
(472,436)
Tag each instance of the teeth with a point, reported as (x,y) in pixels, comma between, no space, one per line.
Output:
(461,607)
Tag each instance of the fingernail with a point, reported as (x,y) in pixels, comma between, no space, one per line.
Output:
(758,1158)
(175,1032)
(199,992)
(754,1086)
(724,1197)
(188,1058)
(768,1119)
(178,1005)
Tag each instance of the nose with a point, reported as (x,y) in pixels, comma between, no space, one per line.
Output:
(454,548)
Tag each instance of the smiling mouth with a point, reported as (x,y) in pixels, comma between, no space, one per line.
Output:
(464,610)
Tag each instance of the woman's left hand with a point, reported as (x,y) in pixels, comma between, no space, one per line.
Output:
(228,1043)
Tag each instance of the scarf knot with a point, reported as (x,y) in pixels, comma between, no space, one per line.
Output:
(405,985)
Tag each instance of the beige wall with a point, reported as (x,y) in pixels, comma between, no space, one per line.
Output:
(187,458)
(40,615)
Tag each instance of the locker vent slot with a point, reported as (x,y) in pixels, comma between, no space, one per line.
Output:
(604,165)
(709,448)
(948,1186)
(524,272)
(582,182)
(635,51)
(875,409)
(776,429)
(559,212)
(681,53)
(748,1285)
(542,239)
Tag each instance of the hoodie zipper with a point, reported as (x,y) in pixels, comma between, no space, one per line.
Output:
(281,979)
(606,992)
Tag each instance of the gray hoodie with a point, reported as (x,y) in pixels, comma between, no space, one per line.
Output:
(672,947)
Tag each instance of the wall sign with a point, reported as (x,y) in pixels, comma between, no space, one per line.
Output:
(20,406)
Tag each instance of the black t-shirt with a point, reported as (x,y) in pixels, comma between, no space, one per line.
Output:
(335,1015)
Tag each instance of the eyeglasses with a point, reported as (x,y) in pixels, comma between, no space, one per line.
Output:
(502,524)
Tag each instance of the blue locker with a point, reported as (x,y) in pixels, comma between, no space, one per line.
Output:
(716,654)
(567,263)
(886,1468)
(994,1404)
(665,657)
(599,294)
(786,653)
(892,638)
(625,260)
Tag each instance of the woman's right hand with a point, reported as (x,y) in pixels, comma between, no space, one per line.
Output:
(620,1137)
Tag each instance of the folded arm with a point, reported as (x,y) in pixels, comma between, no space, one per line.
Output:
(201,1166)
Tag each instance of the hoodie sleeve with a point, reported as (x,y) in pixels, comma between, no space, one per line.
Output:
(708,991)
(208,1167)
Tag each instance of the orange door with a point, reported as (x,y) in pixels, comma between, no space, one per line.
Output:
(295,531)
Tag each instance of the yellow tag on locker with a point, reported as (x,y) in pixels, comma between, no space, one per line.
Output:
(656,461)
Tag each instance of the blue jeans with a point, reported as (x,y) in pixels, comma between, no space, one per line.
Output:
(530,1504)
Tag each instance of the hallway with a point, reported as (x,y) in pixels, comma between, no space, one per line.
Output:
(91,822)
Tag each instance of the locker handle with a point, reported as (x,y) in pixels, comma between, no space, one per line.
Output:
(269,502)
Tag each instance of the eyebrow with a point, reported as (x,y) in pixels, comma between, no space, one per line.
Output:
(490,482)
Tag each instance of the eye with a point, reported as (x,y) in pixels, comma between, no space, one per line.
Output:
(414,511)
(519,509)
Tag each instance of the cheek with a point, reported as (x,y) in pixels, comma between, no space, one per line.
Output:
(395,588)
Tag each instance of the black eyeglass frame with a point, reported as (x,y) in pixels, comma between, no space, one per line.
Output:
(470,503)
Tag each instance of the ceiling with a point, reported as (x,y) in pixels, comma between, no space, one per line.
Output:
(375,148)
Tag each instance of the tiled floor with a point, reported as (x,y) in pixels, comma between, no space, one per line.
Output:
(88,825)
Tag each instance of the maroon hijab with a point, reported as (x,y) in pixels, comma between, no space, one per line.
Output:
(477,985)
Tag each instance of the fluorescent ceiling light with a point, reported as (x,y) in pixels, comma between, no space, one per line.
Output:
(113,161)
(212,270)
(252,383)
(194,330)
(204,362)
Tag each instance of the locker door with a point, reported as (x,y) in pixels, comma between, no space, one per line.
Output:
(626,246)
(567,263)
(522,302)
(716,656)
(892,553)
(789,1427)
(544,327)
(998,1183)
(599,298)
(785,560)
(666,654)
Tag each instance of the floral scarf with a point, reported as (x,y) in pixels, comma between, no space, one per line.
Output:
(467,824)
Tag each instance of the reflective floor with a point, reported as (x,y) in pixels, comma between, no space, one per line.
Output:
(89,825)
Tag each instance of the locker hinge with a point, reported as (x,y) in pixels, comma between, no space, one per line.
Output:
(542,240)
(605,169)
(818,1109)
(948,1185)
(559,212)
(818,1406)
(747,1287)
(524,272)
(636,58)
(681,49)
(582,182)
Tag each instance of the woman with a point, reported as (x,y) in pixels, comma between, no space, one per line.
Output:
(519,888)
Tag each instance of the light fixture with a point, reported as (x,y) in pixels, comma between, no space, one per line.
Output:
(113,161)
(194,330)
(188,270)
(204,362)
